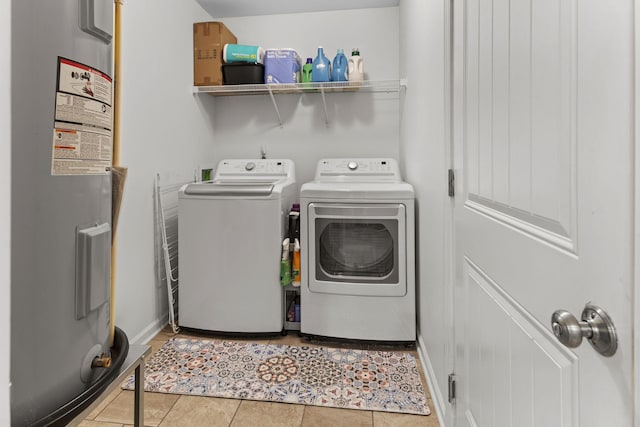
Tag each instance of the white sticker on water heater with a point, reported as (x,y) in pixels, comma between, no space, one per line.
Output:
(83,124)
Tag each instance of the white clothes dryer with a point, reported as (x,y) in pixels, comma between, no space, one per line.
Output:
(230,232)
(358,256)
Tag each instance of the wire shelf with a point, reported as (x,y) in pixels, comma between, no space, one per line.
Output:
(298,88)
(389,86)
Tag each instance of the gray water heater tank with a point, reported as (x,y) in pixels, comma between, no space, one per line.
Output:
(60,222)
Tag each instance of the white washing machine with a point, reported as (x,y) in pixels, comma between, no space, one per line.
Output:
(230,233)
(358,256)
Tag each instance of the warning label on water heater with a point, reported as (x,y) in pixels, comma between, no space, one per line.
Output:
(83,126)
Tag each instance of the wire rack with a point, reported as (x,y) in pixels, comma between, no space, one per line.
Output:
(166,197)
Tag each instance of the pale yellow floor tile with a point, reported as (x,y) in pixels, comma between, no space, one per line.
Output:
(423,379)
(103,404)
(196,411)
(315,416)
(164,334)
(156,407)
(89,423)
(267,414)
(389,419)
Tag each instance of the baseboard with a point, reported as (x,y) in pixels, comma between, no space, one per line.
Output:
(151,330)
(437,399)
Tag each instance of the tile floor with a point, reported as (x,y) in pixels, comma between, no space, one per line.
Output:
(167,410)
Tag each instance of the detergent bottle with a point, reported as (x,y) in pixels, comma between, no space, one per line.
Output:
(356,68)
(307,70)
(340,67)
(321,67)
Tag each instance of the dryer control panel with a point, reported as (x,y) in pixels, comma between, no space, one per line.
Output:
(377,169)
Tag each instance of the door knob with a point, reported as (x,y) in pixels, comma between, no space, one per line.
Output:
(596,326)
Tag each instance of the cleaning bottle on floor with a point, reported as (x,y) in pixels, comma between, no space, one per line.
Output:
(296,310)
(285,264)
(294,241)
(295,264)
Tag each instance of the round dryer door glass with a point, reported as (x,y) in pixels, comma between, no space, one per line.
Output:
(356,249)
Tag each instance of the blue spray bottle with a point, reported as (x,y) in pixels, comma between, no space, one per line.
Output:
(340,67)
(321,67)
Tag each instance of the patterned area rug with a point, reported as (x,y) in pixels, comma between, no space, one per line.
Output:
(321,376)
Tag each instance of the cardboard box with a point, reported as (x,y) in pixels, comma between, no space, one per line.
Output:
(209,39)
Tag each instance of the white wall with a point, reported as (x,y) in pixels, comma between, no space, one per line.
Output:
(166,130)
(425,155)
(360,124)
(5,209)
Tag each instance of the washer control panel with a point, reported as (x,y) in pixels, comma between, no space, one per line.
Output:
(374,169)
(255,167)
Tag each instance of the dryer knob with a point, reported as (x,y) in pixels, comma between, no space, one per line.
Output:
(250,166)
(352,166)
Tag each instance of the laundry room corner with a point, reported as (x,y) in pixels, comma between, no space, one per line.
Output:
(166,131)
(425,157)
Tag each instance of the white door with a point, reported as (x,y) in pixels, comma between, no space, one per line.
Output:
(543,140)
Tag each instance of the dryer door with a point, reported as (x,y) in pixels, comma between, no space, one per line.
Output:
(357,249)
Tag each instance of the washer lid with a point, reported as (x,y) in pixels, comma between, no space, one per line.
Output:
(231,188)
(245,178)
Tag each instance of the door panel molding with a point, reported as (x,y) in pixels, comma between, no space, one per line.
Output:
(549,231)
(520,124)
(516,371)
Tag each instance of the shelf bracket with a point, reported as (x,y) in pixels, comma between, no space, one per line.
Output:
(275,104)
(324,104)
